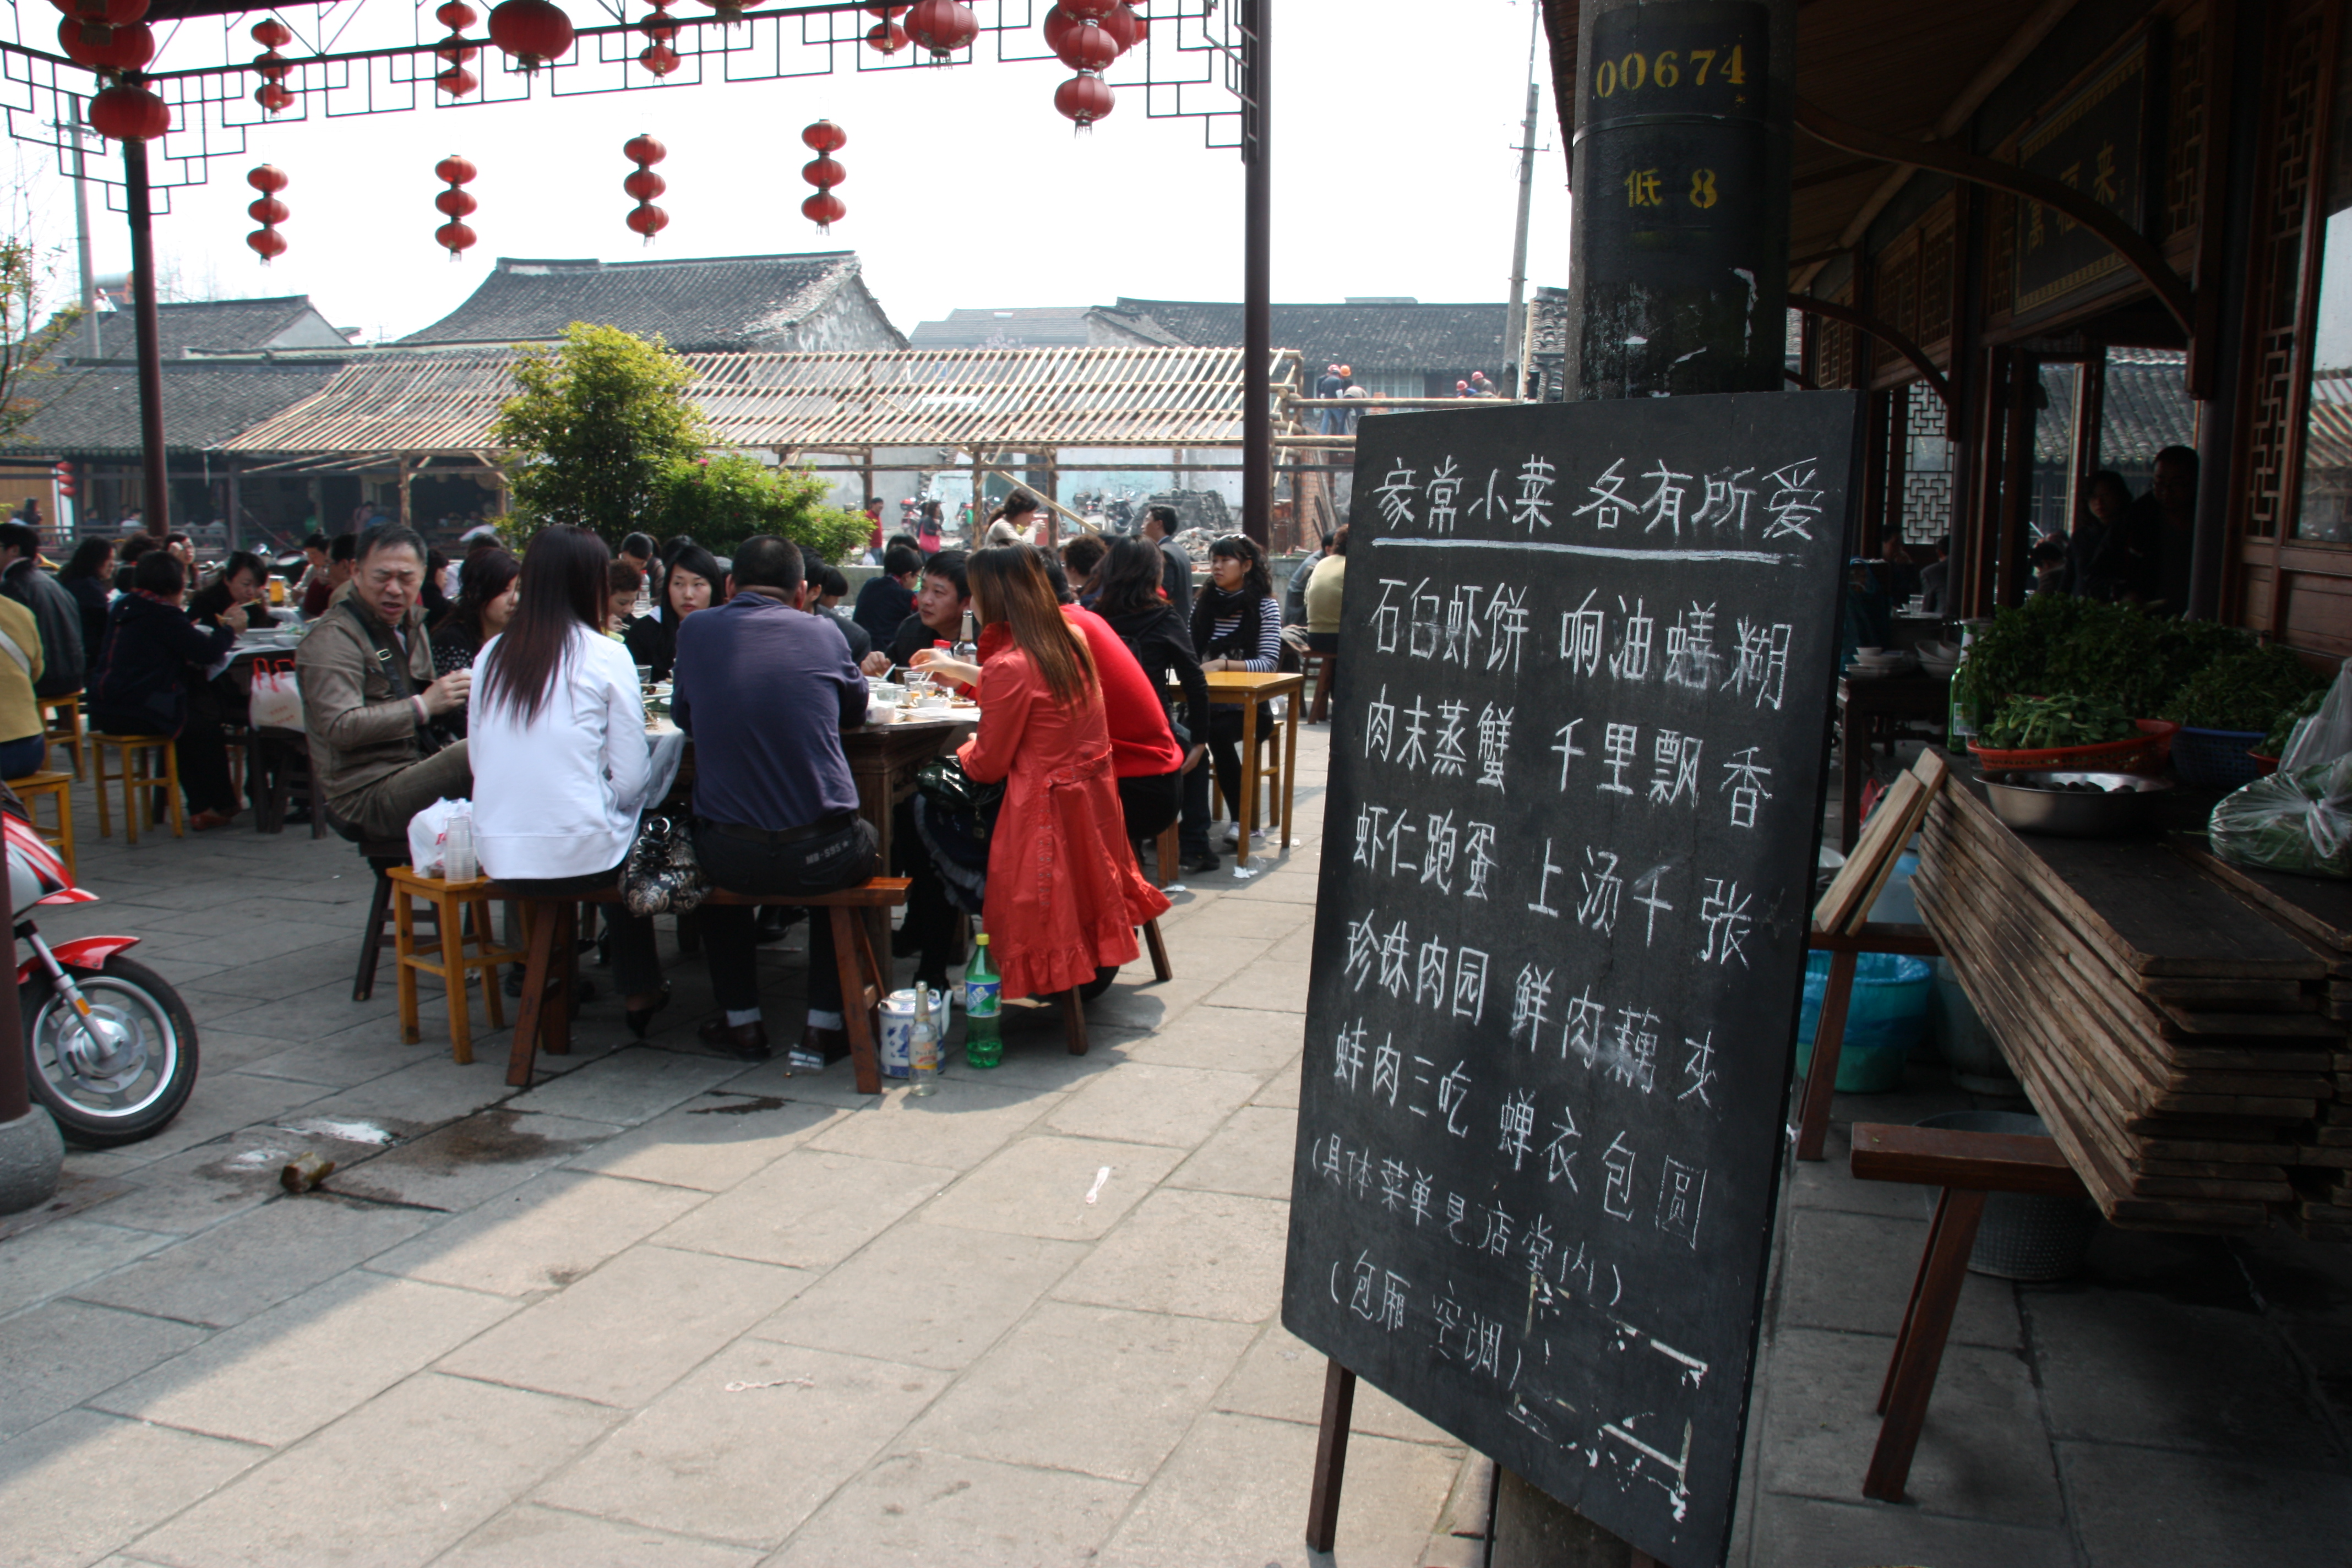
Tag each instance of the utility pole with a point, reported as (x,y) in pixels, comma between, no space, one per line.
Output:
(89,335)
(1515,335)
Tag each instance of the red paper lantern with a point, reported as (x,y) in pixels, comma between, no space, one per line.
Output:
(658,59)
(1126,26)
(823,173)
(824,136)
(455,15)
(268,243)
(644,186)
(270,65)
(457,54)
(126,48)
(649,220)
(824,210)
(642,149)
(455,170)
(1085,99)
(886,37)
(272,34)
(456,81)
(104,13)
(273,98)
(456,238)
(1087,47)
(658,26)
(455,203)
(267,178)
(943,26)
(1058,24)
(268,209)
(532,31)
(129,113)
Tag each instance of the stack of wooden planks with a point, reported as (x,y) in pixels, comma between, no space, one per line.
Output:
(2166,1029)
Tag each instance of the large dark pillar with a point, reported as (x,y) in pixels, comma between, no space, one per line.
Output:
(1257,274)
(156,503)
(1681,250)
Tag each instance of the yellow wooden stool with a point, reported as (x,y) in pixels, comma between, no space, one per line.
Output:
(449,901)
(58,788)
(63,714)
(138,775)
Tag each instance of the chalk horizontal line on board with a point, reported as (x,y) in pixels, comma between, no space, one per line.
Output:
(1612,552)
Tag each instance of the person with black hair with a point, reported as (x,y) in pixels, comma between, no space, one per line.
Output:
(237,585)
(766,691)
(640,552)
(887,598)
(436,599)
(342,559)
(371,700)
(127,554)
(1082,557)
(54,611)
(827,588)
(1237,626)
(88,576)
(1160,526)
(487,595)
(155,659)
(939,605)
(1132,604)
(692,582)
(556,741)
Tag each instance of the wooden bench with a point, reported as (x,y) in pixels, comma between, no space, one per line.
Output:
(549,975)
(1966,1165)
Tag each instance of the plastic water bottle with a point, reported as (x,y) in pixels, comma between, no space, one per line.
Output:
(923,1047)
(984,1006)
(458,864)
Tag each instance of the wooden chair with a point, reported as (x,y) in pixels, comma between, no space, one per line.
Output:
(1322,672)
(57,788)
(64,714)
(1966,1165)
(449,958)
(544,1022)
(138,775)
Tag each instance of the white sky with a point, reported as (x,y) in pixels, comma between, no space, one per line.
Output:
(1395,126)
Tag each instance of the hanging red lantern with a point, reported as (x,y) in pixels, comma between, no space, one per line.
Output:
(1126,26)
(454,203)
(648,219)
(642,149)
(1085,99)
(126,47)
(1088,10)
(129,113)
(1058,24)
(271,66)
(658,26)
(455,52)
(267,178)
(824,210)
(272,34)
(456,81)
(658,59)
(267,211)
(532,31)
(268,243)
(823,173)
(886,37)
(273,98)
(642,186)
(104,13)
(1087,46)
(455,15)
(943,26)
(824,136)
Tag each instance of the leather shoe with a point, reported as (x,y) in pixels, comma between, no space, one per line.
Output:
(744,1042)
(821,1048)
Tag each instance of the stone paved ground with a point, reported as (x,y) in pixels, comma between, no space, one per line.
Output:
(664,1309)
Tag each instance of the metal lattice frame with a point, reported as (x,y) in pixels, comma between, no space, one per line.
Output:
(1189,65)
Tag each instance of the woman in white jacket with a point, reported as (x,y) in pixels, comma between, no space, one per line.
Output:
(557,742)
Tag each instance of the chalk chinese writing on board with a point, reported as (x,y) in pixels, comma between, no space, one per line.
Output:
(1560,928)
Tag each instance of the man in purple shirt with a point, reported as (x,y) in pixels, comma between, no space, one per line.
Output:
(766,691)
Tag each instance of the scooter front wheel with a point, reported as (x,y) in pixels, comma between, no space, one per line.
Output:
(123,1073)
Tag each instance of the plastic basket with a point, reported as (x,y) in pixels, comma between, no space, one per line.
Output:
(2264,765)
(2141,753)
(1886,1017)
(2216,759)
(2023,1236)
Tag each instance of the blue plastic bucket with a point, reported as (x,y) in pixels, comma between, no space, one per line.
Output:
(1885,1018)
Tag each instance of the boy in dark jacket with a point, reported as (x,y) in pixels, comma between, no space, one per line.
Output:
(154,657)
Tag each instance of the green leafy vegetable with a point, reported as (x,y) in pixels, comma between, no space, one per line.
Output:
(2052,724)
(2274,743)
(2244,692)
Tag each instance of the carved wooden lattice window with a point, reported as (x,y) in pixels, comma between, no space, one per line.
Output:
(1833,360)
(1927,466)
(2279,268)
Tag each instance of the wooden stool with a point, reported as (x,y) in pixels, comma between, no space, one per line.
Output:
(1966,1165)
(278,756)
(1322,672)
(66,713)
(138,775)
(449,901)
(1168,856)
(57,787)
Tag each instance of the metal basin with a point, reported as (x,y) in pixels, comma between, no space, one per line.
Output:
(2060,804)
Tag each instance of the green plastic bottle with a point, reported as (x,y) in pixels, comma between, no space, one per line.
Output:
(984,1006)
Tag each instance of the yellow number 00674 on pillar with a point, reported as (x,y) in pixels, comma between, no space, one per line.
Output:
(1666,69)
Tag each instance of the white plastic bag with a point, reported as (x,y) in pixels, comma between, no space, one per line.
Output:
(277,701)
(2299,822)
(2326,734)
(428,835)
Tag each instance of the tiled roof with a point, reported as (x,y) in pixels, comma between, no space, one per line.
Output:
(2146,408)
(208,326)
(1040,327)
(1365,338)
(93,411)
(705,304)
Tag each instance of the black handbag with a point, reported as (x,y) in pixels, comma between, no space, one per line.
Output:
(947,786)
(663,876)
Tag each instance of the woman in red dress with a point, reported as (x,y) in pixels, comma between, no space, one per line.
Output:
(1064,892)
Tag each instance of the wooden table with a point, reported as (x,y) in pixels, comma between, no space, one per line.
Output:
(1862,701)
(1240,689)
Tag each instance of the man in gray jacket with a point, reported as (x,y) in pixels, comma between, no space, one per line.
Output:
(370,699)
(63,658)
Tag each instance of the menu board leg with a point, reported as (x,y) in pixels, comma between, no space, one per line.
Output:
(1330,1456)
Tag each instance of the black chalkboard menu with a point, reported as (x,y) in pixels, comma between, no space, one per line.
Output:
(1560,936)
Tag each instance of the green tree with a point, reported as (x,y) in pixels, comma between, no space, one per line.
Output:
(24,348)
(597,422)
(722,501)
